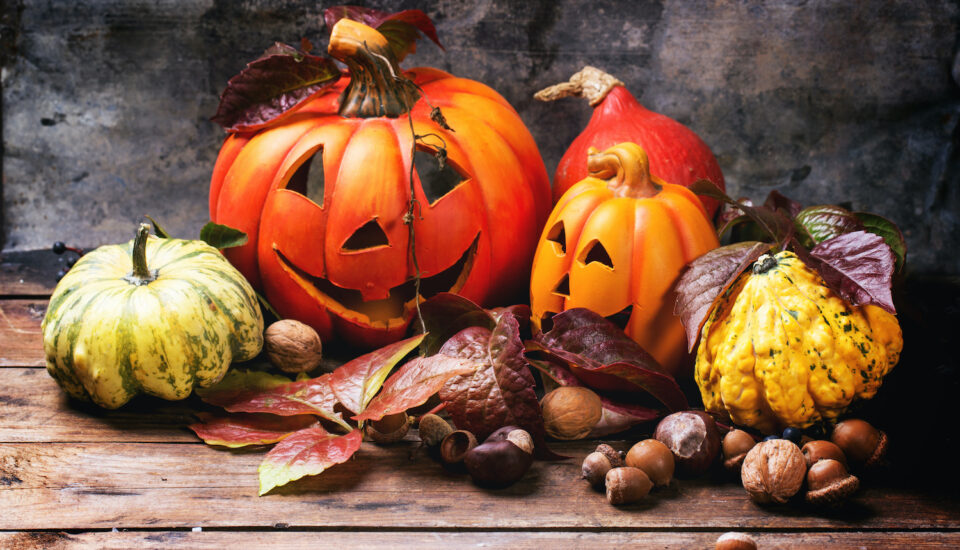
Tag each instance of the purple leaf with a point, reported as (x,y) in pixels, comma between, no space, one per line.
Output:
(272,85)
(706,278)
(778,201)
(772,222)
(401,29)
(500,391)
(601,356)
(889,231)
(859,267)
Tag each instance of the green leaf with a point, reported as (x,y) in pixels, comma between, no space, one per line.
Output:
(878,225)
(222,236)
(306,453)
(824,222)
(157,230)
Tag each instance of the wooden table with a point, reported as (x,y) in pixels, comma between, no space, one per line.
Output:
(72,475)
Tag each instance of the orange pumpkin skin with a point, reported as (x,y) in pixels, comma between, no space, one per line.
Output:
(483,231)
(618,239)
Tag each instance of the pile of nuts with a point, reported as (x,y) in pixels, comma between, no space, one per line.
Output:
(772,471)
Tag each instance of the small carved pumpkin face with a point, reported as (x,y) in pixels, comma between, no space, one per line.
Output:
(324,197)
(616,243)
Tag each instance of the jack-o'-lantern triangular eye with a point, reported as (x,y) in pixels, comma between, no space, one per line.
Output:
(436,178)
(559,236)
(369,235)
(563,287)
(595,252)
(308,179)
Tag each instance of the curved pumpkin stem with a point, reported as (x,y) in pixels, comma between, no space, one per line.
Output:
(627,170)
(377,86)
(141,274)
(589,83)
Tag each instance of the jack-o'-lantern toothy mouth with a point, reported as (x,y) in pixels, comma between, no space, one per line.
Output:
(398,308)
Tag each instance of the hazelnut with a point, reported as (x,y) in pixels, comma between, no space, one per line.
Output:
(736,541)
(455,445)
(626,485)
(570,412)
(654,458)
(433,429)
(292,346)
(736,445)
(389,429)
(693,439)
(829,483)
(598,463)
(773,471)
(497,463)
(815,451)
(860,442)
(518,436)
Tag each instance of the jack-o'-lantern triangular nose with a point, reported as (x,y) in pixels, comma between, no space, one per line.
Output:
(369,235)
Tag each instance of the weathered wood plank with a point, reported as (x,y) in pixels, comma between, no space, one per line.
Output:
(21,342)
(101,486)
(216,540)
(34,409)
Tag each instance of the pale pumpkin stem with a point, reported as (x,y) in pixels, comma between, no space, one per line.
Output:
(377,86)
(141,274)
(626,168)
(590,83)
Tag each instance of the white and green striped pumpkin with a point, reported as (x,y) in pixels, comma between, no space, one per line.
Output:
(153,315)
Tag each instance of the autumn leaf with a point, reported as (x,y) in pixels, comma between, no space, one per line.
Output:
(447,314)
(356,382)
(500,389)
(772,222)
(272,86)
(859,267)
(413,384)
(601,356)
(240,429)
(878,225)
(825,222)
(307,452)
(706,278)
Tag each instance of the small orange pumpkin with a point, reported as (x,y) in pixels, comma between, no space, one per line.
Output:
(615,243)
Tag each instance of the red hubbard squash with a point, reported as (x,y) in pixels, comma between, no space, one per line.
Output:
(677,155)
(323,195)
(616,243)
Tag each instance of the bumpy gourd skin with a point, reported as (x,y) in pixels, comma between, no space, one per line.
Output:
(780,349)
(106,339)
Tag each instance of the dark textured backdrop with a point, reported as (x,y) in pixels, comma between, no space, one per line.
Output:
(106,103)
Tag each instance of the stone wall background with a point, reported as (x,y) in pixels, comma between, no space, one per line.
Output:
(106,102)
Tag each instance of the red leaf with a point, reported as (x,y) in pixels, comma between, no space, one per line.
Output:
(313,396)
(600,355)
(413,384)
(859,267)
(355,383)
(778,201)
(447,314)
(401,29)
(272,85)
(307,452)
(240,430)
(500,390)
(706,278)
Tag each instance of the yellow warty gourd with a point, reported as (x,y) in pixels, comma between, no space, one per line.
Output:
(781,349)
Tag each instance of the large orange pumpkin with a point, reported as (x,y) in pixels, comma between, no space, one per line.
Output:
(324,195)
(616,243)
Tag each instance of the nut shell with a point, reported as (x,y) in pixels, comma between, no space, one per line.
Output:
(736,541)
(626,485)
(654,458)
(293,346)
(570,412)
(773,471)
(389,429)
(456,445)
(829,483)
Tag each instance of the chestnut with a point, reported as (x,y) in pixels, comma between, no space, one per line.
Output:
(693,438)
(497,463)
(518,436)
(654,458)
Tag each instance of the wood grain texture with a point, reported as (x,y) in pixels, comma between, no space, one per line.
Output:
(149,485)
(21,342)
(300,540)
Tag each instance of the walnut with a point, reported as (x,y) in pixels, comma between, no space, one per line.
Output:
(570,412)
(293,346)
(773,471)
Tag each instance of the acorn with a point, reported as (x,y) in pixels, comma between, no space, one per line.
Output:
(432,429)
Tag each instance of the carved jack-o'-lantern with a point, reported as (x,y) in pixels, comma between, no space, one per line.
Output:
(616,243)
(324,196)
